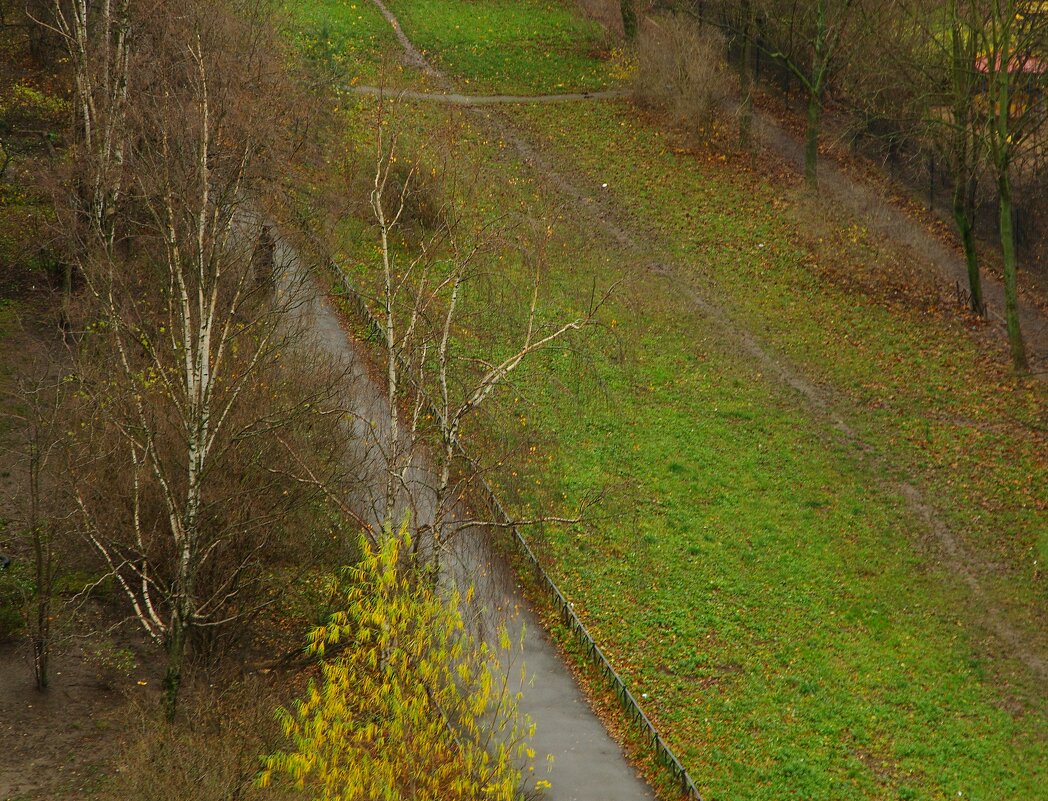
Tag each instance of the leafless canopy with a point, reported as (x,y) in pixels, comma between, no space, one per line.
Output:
(193,397)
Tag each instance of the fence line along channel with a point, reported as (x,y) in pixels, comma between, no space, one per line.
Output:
(663,753)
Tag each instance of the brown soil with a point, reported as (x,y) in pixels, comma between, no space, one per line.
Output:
(55,744)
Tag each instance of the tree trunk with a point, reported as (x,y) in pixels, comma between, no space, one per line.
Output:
(746,74)
(176,651)
(42,629)
(629,20)
(1011,292)
(811,142)
(42,642)
(42,555)
(67,292)
(964,218)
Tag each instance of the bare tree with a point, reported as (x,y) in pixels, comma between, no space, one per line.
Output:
(933,55)
(811,40)
(747,16)
(1012,42)
(193,411)
(41,422)
(962,143)
(432,387)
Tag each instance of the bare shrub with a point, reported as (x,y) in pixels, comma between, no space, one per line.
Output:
(605,12)
(423,202)
(204,454)
(210,755)
(113,665)
(682,69)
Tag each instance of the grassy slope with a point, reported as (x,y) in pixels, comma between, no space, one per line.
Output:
(522,46)
(752,576)
(919,381)
(348,37)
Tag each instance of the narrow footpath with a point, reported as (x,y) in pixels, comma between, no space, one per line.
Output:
(456,99)
(884,219)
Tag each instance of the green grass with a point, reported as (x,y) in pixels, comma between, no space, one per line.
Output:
(753,579)
(348,38)
(527,46)
(915,385)
(509,46)
(750,582)
(761,582)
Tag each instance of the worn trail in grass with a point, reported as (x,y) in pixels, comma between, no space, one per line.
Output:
(902,371)
(760,581)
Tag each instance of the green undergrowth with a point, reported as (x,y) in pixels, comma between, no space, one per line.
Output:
(760,584)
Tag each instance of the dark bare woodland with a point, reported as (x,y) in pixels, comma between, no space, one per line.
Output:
(201,439)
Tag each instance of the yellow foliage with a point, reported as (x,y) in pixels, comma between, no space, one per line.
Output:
(622,64)
(411,705)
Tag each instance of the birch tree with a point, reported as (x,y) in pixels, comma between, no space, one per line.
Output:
(197,426)
(96,36)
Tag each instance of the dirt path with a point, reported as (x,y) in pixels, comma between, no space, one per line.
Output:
(864,202)
(454,99)
(588,764)
(412,56)
(54,744)
(887,221)
(1014,638)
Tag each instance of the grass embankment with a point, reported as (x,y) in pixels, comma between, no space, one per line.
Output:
(521,47)
(763,584)
(350,40)
(843,647)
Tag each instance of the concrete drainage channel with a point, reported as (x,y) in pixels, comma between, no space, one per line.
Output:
(565,610)
(588,765)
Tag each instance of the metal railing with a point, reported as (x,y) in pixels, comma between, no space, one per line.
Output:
(663,753)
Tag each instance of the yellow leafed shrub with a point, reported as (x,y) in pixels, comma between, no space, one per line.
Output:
(410,704)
